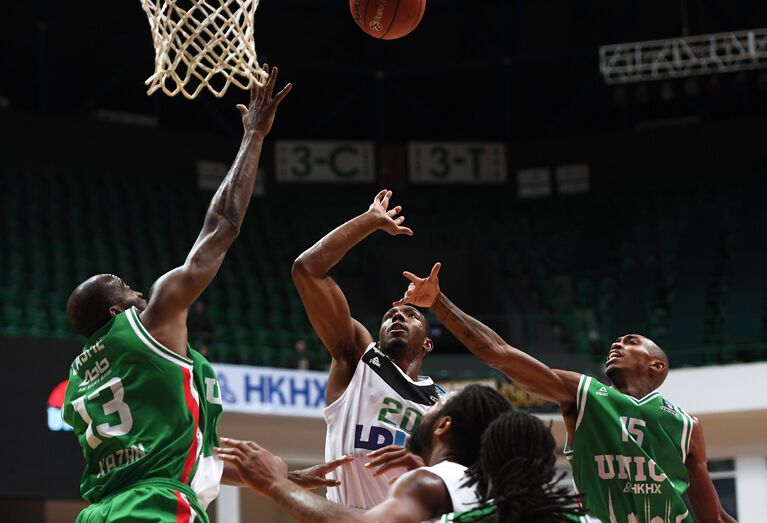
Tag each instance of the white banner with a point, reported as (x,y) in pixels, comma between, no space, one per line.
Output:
(573,179)
(334,162)
(532,183)
(453,162)
(262,390)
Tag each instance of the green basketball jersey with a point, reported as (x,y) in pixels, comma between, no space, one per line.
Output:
(487,514)
(142,411)
(628,455)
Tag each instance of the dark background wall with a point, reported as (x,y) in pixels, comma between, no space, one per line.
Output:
(39,463)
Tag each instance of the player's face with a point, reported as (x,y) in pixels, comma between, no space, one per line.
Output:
(400,325)
(420,440)
(127,297)
(627,354)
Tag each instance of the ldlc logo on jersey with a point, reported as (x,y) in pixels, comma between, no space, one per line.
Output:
(403,421)
(602,391)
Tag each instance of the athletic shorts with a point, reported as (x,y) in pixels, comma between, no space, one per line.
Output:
(156,500)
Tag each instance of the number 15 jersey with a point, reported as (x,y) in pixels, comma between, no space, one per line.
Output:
(380,407)
(141,411)
(628,455)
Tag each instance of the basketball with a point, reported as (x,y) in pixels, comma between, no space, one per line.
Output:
(387,19)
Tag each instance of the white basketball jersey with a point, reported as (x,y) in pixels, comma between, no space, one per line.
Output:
(454,477)
(380,407)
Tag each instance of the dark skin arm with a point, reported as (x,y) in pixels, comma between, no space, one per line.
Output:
(391,457)
(417,496)
(702,495)
(309,478)
(325,303)
(174,292)
(533,376)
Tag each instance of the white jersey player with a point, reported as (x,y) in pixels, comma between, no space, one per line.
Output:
(375,396)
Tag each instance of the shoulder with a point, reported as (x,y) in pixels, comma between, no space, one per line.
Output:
(424,485)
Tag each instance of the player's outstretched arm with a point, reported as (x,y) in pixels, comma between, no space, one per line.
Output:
(417,496)
(532,375)
(325,303)
(702,495)
(313,477)
(174,292)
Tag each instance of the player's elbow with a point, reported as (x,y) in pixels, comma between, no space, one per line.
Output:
(225,229)
(303,268)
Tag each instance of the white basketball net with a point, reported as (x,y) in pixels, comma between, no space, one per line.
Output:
(200,44)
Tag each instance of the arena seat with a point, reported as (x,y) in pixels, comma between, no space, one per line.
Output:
(588,268)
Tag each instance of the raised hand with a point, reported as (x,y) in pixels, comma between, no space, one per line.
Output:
(393,456)
(258,117)
(422,292)
(389,221)
(258,468)
(314,477)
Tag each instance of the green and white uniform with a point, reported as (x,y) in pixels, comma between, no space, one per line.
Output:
(487,513)
(146,420)
(629,455)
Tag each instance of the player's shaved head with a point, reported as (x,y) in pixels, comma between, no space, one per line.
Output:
(657,354)
(96,301)
(634,358)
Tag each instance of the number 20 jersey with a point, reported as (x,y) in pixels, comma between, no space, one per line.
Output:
(141,411)
(380,407)
(628,455)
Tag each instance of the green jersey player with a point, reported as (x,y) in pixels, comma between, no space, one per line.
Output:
(143,405)
(634,454)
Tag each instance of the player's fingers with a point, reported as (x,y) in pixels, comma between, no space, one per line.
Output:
(403,301)
(385,200)
(255,446)
(332,465)
(282,94)
(399,219)
(243,110)
(223,452)
(405,230)
(380,196)
(272,82)
(385,458)
(400,462)
(256,89)
(231,452)
(410,276)
(383,450)
(395,211)
(435,270)
(325,483)
(229,459)
(237,443)
(382,457)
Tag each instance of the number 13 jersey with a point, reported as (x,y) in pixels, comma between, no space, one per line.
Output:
(141,411)
(628,455)
(381,406)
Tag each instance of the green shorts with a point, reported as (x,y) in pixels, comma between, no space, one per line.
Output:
(157,500)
